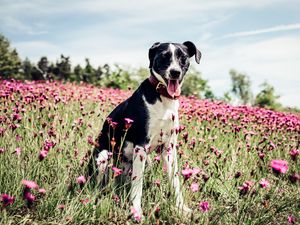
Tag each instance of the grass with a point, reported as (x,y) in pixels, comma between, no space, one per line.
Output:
(224,142)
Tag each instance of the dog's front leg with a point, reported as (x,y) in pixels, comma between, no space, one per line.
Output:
(138,166)
(170,161)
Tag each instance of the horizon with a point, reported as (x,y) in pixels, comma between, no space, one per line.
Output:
(261,39)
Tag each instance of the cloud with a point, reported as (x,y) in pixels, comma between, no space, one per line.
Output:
(274,60)
(284,27)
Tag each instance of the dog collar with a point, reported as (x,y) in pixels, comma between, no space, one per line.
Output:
(160,87)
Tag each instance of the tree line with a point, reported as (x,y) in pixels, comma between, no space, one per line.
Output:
(117,76)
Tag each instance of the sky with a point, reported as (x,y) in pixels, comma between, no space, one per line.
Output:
(258,38)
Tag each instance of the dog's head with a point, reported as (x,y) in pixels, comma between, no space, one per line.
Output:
(169,63)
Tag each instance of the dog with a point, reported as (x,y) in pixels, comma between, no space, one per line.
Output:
(152,115)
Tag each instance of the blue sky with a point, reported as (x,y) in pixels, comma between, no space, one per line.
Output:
(259,38)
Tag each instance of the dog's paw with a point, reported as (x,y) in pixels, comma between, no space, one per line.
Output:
(137,214)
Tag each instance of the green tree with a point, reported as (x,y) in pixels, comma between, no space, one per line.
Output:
(78,73)
(241,87)
(194,84)
(10,63)
(89,72)
(267,98)
(27,69)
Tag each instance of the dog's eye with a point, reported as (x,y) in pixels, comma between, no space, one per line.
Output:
(183,60)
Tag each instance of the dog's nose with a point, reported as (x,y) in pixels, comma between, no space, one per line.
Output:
(174,74)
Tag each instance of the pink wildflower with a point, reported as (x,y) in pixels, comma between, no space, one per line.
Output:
(187,173)
(42,191)
(291,219)
(18,151)
(279,166)
(7,199)
(81,180)
(30,184)
(194,187)
(264,183)
(117,171)
(245,187)
(204,206)
(43,154)
(2,150)
(128,123)
(294,154)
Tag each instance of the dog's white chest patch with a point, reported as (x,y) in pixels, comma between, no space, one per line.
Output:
(163,118)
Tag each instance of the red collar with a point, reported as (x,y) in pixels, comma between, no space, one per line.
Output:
(160,87)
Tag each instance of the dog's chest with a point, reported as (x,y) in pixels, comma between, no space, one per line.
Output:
(163,118)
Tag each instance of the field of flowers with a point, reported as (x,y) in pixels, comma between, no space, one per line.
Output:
(238,165)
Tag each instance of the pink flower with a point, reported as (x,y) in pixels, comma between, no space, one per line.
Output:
(204,206)
(42,191)
(61,206)
(279,166)
(157,182)
(245,187)
(85,201)
(157,158)
(30,184)
(2,150)
(291,219)
(29,197)
(187,173)
(43,154)
(294,154)
(135,214)
(196,171)
(18,151)
(117,171)
(194,187)
(264,183)
(7,199)
(81,180)
(128,123)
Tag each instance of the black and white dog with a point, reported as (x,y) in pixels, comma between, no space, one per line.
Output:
(153,107)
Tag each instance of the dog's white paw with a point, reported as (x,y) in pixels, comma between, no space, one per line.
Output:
(137,213)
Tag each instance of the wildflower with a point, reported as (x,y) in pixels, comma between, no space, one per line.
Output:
(187,173)
(117,171)
(42,191)
(157,182)
(264,183)
(128,123)
(291,219)
(279,166)
(61,206)
(245,187)
(2,150)
(204,206)
(81,180)
(85,201)
(30,184)
(43,154)
(6,199)
(294,154)
(18,151)
(194,187)
(30,198)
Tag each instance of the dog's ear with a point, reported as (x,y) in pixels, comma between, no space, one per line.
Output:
(152,52)
(192,50)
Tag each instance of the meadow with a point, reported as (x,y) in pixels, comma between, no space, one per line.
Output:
(238,164)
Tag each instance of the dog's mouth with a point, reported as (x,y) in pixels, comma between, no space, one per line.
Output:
(174,88)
